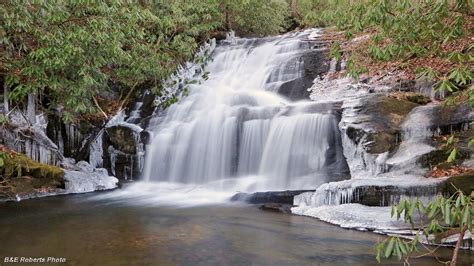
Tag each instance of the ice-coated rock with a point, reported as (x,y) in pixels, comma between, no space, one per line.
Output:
(80,182)
(355,216)
(88,179)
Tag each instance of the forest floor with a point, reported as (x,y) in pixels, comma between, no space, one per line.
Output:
(403,68)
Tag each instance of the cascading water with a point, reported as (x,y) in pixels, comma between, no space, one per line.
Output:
(234,128)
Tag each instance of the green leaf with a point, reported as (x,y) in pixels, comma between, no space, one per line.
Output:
(447,213)
(465,215)
(433,209)
(389,248)
(397,249)
(403,247)
(471,142)
(451,139)
(452,156)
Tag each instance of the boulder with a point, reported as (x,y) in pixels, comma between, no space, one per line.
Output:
(278,197)
(123,148)
(377,120)
(124,138)
(447,119)
(315,63)
(464,182)
(88,179)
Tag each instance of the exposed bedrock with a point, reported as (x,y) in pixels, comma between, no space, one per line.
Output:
(382,134)
(375,122)
(313,65)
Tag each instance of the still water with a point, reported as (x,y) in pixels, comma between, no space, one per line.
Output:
(90,231)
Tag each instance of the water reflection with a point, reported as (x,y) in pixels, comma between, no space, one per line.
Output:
(96,232)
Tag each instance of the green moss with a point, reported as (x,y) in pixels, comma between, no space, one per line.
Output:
(418,99)
(394,110)
(20,165)
(22,175)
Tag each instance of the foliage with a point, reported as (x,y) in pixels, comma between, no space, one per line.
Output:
(3,157)
(70,51)
(448,216)
(353,70)
(400,29)
(255,17)
(335,51)
(451,144)
(3,120)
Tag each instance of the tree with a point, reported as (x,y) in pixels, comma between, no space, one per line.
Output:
(71,51)
(448,217)
(294,9)
(255,17)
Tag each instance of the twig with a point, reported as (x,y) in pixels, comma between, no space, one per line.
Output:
(129,94)
(98,106)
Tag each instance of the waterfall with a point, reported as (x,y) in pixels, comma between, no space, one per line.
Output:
(233,124)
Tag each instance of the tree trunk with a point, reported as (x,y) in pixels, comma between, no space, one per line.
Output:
(31,108)
(294,10)
(227,19)
(454,260)
(6,108)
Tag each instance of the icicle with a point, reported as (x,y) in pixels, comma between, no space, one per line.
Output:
(6,107)
(31,108)
(96,151)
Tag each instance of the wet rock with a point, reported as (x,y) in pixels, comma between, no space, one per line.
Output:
(314,64)
(276,207)
(464,182)
(277,197)
(142,108)
(124,150)
(438,157)
(377,121)
(124,166)
(296,89)
(145,136)
(388,195)
(448,119)
(404,85)
(418,98)
(123,138)
(88,179)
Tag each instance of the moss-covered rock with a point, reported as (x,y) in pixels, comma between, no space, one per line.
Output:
(21,175)
(418,98)
(391,112)
(377,123)
(464,182)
